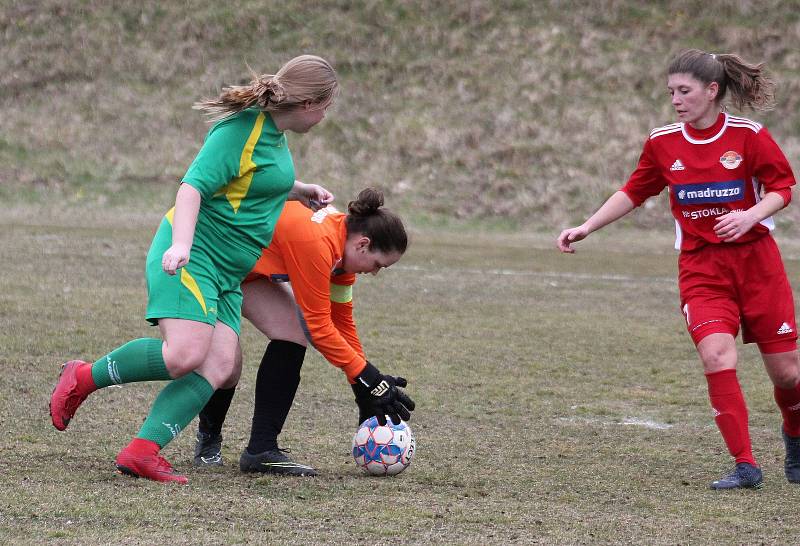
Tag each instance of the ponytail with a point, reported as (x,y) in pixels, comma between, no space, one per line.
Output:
(748,84)
(367,216)
(304,79)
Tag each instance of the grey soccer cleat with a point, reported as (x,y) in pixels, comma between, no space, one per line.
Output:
(744,476)
(791,465)
(208,449)
(273,461)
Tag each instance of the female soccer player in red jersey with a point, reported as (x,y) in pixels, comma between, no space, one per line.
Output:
(301,288)
(224,215)
(726,178)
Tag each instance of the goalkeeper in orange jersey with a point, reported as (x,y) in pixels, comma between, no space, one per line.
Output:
(299,290)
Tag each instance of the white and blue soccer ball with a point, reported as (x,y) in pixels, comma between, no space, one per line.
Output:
(383,450)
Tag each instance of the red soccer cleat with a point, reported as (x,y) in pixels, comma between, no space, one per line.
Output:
(67,395)
(140,459)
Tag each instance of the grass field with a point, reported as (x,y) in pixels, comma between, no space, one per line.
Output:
(559,398)
(559,401)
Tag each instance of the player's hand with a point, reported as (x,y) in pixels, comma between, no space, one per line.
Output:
(383,395)
(733,225)
(312,196)
(569,236)
(174,258)
(364,405)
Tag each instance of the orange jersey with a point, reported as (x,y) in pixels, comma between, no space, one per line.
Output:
(307,249)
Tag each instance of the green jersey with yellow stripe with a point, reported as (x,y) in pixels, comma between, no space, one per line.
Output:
(244,172)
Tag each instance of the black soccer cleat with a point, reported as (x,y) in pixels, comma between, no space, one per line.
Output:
(744,476)
(791,464)
(273,461)
(208,449)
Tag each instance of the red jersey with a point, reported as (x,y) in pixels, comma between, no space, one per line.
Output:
(307,249)
(709,173)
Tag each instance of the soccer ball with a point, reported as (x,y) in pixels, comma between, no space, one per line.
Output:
(383,450)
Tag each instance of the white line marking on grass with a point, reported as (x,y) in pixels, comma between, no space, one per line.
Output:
(645,423)
(550,274)
(628,421)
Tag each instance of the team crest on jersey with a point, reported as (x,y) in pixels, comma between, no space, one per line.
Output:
(730,159)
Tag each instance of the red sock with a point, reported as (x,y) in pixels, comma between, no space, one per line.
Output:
(141,446)
(789,402)
(730,413)
(85,380)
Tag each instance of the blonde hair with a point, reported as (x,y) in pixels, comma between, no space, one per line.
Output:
(749,86)
(304,79)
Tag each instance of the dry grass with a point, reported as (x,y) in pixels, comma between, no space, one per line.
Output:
(552,407)
(538,376)
(530,113)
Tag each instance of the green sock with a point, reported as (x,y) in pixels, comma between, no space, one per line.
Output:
(175,407)
(137,360)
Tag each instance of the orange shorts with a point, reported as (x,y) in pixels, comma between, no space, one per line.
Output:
(269,265)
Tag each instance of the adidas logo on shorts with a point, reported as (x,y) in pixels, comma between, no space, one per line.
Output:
(785,329)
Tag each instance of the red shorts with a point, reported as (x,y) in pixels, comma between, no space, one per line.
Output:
(727,284)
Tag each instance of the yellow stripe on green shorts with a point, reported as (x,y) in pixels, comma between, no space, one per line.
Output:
(188,281)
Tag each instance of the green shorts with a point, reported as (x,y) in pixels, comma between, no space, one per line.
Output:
(200,291)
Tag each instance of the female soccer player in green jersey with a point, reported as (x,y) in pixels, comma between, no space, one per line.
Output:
(225,213)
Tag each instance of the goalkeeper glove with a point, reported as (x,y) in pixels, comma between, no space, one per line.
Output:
(364,406)
(381,395)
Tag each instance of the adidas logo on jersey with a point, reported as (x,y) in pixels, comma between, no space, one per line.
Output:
(677,166)
(785,329)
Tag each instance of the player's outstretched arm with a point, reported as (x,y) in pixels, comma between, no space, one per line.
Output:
(617,206)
